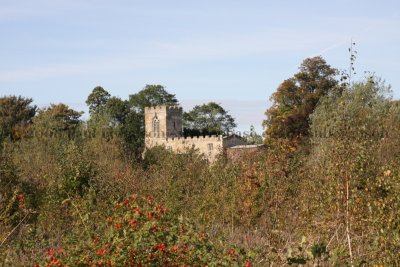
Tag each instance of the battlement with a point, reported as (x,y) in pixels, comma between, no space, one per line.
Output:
(174,107)
(196,138)
(162,107)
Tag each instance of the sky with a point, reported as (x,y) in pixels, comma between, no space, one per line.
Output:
(233,52)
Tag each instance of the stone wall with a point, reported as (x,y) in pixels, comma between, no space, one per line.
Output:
(210,146)
(169,134)
(233,140)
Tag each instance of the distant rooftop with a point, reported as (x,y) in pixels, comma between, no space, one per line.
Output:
(246,146)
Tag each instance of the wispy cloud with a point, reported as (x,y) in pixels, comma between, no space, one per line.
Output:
(104,56)
(158,54)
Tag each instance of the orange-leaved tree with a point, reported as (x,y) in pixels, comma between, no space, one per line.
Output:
(296,98)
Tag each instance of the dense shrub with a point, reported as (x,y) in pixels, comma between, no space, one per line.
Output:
(140,232)
(329,198)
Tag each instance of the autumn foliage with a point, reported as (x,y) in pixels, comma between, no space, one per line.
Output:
(325,191)
(296,98)
(140,232)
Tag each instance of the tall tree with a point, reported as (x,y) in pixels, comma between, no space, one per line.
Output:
(297,97)
(58,118)
(206,119)
(128,124)
(97,100)
(151,95)
(117,109)
(16,112)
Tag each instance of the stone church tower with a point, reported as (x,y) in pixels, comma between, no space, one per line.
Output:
(163,121)
(163,127)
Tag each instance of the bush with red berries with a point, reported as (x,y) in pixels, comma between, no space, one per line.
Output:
(141,232)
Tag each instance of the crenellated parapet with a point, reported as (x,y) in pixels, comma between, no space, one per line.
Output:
(196,138)
(174,107)
(162,108)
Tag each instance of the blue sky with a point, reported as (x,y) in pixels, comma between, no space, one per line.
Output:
(229,51)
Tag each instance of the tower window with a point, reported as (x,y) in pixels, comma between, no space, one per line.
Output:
(156,127)
(210,146)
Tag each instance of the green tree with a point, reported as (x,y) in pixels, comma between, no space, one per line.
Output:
(207,119)
(58,118)
(151,95)
(16,112)
(117,109)
(97,100)
(297,97)
(128,124)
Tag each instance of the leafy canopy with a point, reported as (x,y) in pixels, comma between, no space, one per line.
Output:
(16,112)
(97,100)
(151,95)
(128,124)
(360,111)
(206,119)
(58,118)
(297,97)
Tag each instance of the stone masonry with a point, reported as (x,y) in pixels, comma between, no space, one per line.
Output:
(163,127)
